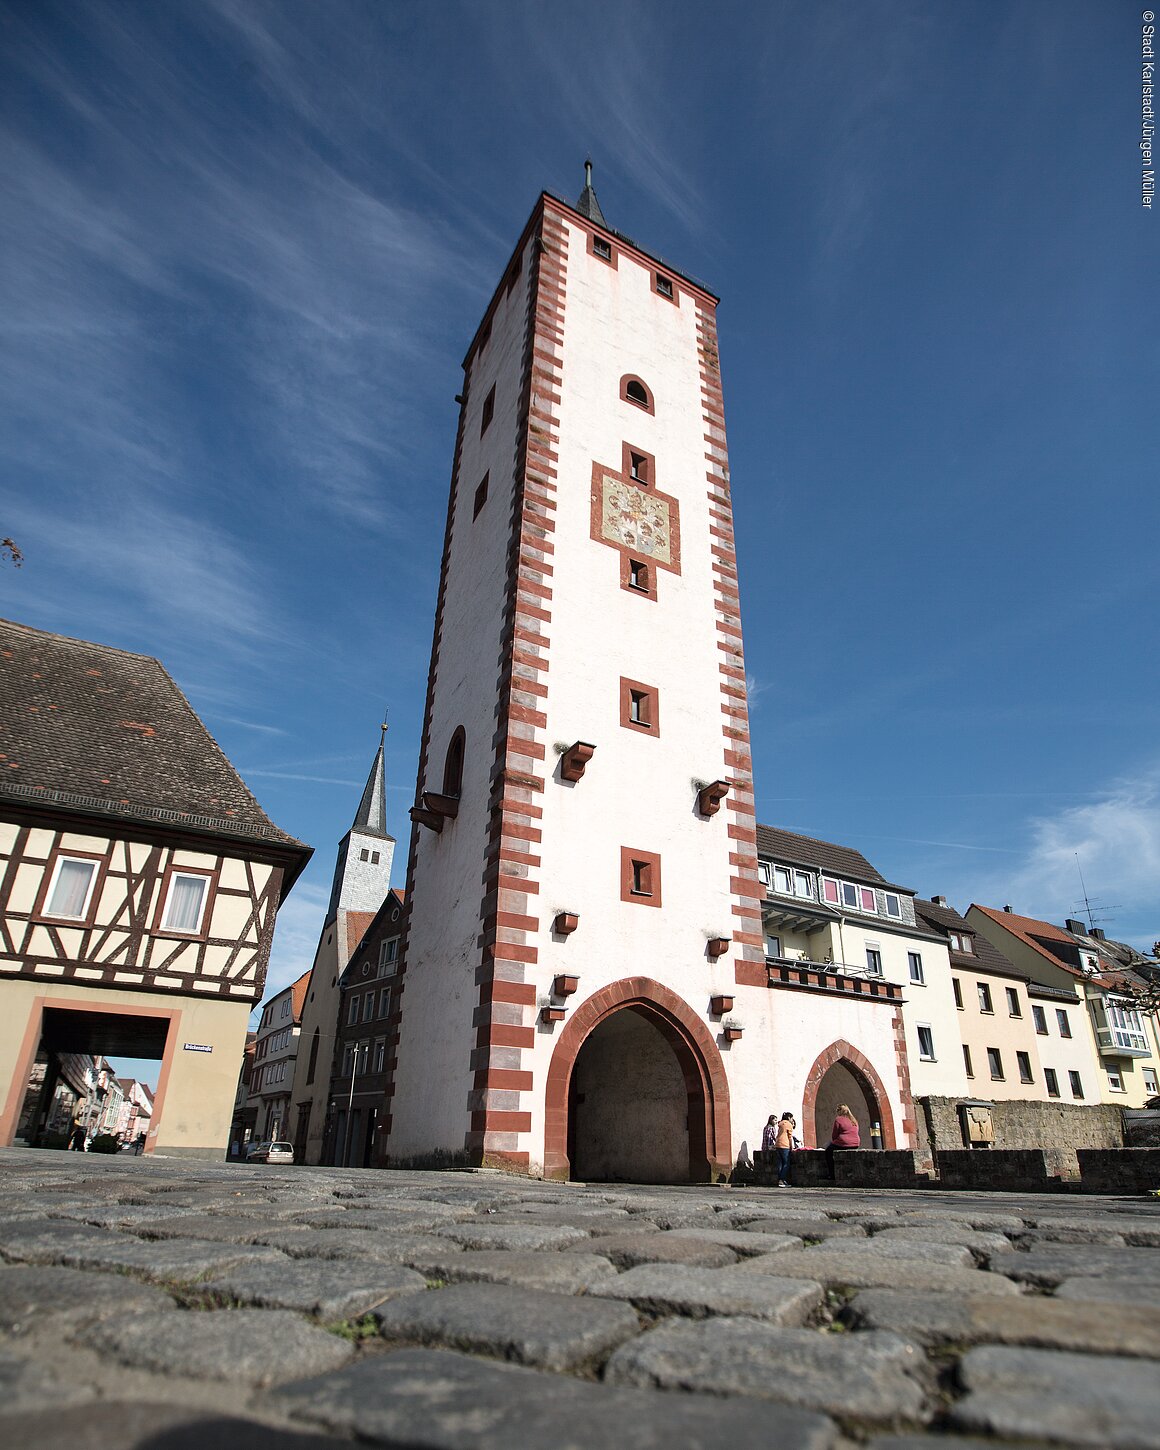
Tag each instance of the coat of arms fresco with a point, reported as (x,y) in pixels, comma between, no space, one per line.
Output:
(637,519)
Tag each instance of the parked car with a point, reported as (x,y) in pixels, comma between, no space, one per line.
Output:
(271,1153)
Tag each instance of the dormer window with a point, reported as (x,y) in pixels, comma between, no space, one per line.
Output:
(848,894)
(963,942)
(893,905)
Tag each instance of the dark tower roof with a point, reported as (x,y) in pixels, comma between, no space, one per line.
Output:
(588,205)
(371,817)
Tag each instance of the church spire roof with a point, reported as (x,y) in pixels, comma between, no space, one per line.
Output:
(588,205)
(371,817)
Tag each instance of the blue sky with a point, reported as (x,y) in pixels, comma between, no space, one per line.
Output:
(244,248)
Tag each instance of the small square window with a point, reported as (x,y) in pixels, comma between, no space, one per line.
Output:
(1013,1007)
(664,285)
(1115,1081)
(1064,1024)
(639,709)
(1023,1059)
(1051,1082)
(914,960)
(640,876)
(488,411)
(926,1044)
(186,903)
(638,467)
(1039,1017)
(480,496)
(364,855)
(72,888)
(995,1063)
(1076,1085)
(602,248)
(638,575)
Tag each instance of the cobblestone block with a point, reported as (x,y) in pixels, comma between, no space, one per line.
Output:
(1142,1292)
(968,1238)
(35,1296)
(516,1236)
(551,1272)
(1025,1319)
(35,1240)
(1068,1234)
(379,1220)
(326,1290)
(552,1331)
(444,1401)
(626,1250)
(416,1251)
(872,1376)
(1110,1403)
(1050,1266)
(118,1424)
(743,1244)
(173,1259)
(903,1249)
(679,1289)
(835,1268)
(30,1385)
(251,1346)
(824,1229)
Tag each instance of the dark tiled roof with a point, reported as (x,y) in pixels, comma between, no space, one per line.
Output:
(986,957)
(797,850)
(92,729)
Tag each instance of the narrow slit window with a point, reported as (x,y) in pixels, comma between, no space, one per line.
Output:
(488,411)
(480,495)
(638,707)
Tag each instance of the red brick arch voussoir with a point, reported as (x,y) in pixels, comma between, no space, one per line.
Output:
(860,1065)
(710,1137)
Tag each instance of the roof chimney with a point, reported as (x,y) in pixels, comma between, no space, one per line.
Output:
(1008,910)
(1077,926)
(939,900)
(1098,933)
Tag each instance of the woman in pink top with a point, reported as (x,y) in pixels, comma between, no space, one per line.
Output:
(844,1134)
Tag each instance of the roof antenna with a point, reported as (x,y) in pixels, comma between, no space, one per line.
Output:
(1087,906)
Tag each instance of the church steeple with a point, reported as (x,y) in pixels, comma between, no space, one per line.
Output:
(588,205)
(362,872)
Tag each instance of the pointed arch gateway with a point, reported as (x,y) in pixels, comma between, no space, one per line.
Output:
(697,1058)
(842,1059)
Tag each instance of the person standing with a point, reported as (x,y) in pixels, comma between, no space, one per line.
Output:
(843,1135)
(769,1141)
(783,1142)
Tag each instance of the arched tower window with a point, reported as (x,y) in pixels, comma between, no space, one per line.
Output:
(453,765)
(635,390)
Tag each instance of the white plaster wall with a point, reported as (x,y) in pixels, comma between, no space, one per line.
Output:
(786,1031)
(434,1074)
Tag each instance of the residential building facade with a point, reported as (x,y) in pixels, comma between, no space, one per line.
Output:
(275,1056)
(141,880)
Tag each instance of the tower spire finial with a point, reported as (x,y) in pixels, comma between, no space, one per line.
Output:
(588,205)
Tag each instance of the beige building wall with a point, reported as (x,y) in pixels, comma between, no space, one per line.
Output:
(204,1042)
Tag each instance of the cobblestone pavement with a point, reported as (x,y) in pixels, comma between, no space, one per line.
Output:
(173,1305)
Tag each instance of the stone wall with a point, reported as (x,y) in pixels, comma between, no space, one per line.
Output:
(1141,1128)
(1125,1170)
(1056,1128)
(1003,1170)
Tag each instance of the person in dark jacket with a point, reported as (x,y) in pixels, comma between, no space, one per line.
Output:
(843,1135)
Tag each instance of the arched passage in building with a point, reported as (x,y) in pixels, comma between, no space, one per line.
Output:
(843,1075)
(636,1091)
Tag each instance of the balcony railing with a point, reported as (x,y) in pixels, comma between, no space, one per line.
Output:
(840,978)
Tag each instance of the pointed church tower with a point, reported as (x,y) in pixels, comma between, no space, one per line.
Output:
(362,878)
(583,893)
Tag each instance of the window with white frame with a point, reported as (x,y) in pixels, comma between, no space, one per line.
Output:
(848,894)
(783,880)
(1151,1086)
(1126,1027)
(185,904)
(765,871)
(963,942)
(914,961)
(803,885)
(72,888)
(1115,1080)
(389,956)
(893,905)
(925,1042)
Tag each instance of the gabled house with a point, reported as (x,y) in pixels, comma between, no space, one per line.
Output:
(365,1036)
(1000,1012)
(1114,1046)
(275,1056)
(139,883)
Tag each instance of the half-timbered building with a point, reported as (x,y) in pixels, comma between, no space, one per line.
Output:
(139,885)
